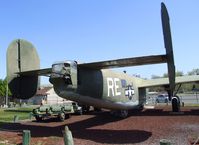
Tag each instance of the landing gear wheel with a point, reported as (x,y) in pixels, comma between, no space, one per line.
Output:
(67,116)
(120,113)
(175,104)
(123,113)
(97,109)
(80,112)
(61,116)
(86,108)
(141,107)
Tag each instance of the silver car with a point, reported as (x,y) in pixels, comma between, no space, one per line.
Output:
(163,98)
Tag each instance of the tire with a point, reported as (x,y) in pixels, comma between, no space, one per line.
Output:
(123,113)
(86,108)
(141,107)
(80,112)
(97,109)
(61,116)
(38,118)
(120,113)
(175,104)
(67,116)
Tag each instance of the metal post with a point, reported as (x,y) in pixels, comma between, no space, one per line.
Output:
(68,138)
(26,137)
(16,118)
(6,100)
(30,115)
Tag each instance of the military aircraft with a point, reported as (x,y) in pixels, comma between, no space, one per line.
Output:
(93,84)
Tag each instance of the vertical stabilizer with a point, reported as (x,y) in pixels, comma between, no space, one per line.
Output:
(168,47)
(22,56)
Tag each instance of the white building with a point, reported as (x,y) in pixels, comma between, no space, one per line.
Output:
(46,95)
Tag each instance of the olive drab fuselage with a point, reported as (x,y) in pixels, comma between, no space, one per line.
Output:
(99,88)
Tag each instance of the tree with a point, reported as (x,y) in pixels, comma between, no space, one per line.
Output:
(194,72)
(165,75)
(178,73)
(155,77)
(3,86)
(188,87)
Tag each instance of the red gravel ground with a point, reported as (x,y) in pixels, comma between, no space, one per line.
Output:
(145,127)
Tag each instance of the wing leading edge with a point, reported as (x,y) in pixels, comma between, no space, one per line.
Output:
(144,60)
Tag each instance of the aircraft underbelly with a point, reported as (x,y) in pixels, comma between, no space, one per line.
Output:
(101,103)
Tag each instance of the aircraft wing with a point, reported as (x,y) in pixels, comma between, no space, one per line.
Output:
(165,81)
(144,60)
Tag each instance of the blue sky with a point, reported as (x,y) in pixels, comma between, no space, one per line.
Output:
(94,30)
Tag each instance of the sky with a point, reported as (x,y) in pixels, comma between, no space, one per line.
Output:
(97,30)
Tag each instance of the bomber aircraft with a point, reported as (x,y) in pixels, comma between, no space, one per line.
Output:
(94,84)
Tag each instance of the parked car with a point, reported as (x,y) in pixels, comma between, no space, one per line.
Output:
(163,98)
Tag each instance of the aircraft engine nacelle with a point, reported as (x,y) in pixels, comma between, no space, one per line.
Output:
(64,75)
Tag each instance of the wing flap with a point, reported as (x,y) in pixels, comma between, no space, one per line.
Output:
(144,60)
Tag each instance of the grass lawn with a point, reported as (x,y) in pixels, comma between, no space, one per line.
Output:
(192,105)
(7,115)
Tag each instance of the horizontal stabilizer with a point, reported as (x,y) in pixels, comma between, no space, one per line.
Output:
(153,59)
(38,72)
